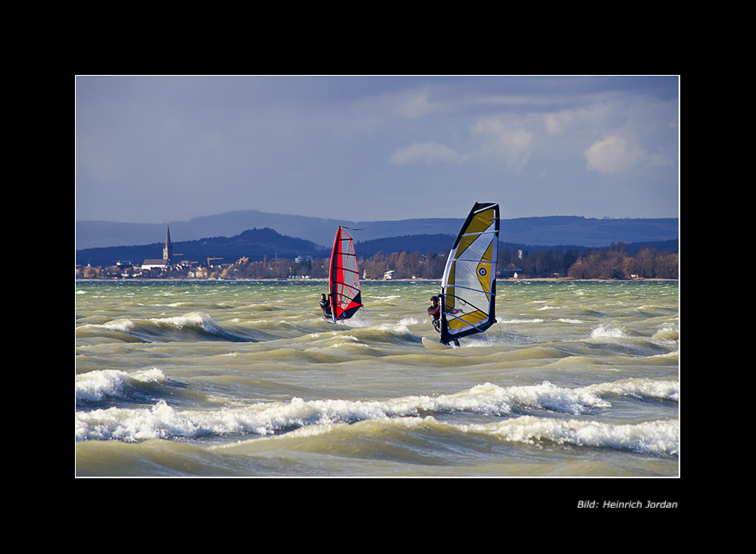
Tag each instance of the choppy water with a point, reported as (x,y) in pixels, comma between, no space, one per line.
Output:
(248,379)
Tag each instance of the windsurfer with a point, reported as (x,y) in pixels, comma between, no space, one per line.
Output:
(325,305)
(435,312)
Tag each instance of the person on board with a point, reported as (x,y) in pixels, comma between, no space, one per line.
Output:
(435,312)
(325,305)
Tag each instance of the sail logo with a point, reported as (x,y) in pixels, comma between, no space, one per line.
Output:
(482,272)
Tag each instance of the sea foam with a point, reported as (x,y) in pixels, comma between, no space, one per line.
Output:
(163,421)
(656,437)
(98,385)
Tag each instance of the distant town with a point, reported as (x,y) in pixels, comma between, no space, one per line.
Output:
(616,261)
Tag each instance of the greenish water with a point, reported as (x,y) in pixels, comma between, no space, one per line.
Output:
(577,379)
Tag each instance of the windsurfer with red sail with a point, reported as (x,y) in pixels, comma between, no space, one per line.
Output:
(343,280)
(325,305)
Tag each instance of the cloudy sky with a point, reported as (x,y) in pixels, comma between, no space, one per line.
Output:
(152,149)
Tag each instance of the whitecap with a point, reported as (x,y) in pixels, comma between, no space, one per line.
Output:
(655,437)
(641,388)
(602,331)
(162,421)
(515,321)
(98,385)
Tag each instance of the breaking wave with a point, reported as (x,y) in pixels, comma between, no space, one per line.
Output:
(274,418)
(195,326)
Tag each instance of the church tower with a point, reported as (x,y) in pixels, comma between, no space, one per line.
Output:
(168,248)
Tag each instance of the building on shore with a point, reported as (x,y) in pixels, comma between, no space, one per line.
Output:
(167,259)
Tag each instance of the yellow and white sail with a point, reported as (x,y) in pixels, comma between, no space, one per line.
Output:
(468,288)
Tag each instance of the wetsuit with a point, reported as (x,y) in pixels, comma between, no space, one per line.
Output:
(435,314)
(325,305)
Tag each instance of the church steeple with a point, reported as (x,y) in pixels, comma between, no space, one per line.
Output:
(168,248)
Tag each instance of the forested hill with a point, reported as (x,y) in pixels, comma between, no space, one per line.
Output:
(254,244)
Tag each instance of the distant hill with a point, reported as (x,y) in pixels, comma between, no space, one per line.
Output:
(442,243)
(409,243)
(547,231)
(253,244)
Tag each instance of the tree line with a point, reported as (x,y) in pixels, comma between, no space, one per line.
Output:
(613,262)
(616,263)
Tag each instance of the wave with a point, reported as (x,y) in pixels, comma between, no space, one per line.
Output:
(603,332)
(654,437)
(667,333)
(195,326)
(275,418)
(640,388)
(630,342)
(96,386)
(658,438)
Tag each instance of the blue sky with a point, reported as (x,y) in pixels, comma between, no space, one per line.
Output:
(151,149)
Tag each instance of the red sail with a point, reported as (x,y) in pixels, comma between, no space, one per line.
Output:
(344,277)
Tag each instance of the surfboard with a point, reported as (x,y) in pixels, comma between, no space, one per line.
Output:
(431,344)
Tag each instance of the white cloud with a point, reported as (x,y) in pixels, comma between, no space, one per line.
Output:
(413,104)
(614,153)
(405,104)
(556,123)
(505,140)
(426,152)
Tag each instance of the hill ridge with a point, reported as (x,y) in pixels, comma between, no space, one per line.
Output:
(256,244)
(547,230)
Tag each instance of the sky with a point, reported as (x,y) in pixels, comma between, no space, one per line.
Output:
(154,149)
